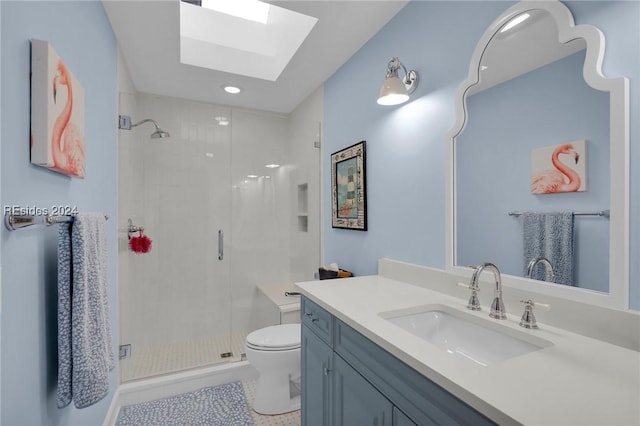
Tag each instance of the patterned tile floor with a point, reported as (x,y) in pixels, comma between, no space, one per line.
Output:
(178,356)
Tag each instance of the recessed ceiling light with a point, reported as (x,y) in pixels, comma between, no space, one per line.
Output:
(515,21)
(251,10)
(222,121)
(252,176)
(272,166)
(234,90)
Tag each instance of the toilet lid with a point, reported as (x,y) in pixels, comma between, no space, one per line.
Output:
(276,337)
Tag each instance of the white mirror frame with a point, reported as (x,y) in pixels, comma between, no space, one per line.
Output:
(618,295)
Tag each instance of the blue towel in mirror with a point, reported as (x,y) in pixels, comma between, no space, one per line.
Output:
(549,235)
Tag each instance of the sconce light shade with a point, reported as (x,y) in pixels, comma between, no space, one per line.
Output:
(395,91)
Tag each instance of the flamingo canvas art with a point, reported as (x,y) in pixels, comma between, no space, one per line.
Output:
(559,168)
(57,113)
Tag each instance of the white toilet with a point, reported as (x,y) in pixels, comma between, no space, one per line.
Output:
(275,352)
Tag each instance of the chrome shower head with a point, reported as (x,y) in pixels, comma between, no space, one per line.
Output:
(159,133)
(125,123)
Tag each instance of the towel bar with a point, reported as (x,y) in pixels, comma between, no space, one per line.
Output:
(17,221)
(603,213)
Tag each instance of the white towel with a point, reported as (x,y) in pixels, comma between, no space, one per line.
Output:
(85,352)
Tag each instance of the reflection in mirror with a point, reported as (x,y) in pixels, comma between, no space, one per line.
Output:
(535,102)
(532,95)
(517,49)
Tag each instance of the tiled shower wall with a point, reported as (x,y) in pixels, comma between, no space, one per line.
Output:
(205,178)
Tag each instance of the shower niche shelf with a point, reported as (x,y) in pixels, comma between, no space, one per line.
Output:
(303,207)
(303,223)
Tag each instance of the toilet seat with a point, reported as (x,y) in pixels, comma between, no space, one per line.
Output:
(275,338)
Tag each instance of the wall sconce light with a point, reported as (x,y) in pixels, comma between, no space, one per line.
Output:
(395,91)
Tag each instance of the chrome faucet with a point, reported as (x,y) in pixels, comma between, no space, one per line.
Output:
(545,262)
(497,306)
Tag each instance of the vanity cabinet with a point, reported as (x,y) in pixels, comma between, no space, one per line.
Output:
(354,400)
(317,363)
(347,380)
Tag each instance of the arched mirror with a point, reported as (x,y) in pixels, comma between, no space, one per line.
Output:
(538,180)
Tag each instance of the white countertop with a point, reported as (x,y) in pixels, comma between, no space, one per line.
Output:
(576,381)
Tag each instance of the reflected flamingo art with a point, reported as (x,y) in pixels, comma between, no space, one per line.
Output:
(561,179)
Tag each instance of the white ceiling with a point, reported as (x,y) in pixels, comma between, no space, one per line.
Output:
(148,34)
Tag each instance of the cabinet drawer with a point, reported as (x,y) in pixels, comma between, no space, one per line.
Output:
(317,319)
(424,402)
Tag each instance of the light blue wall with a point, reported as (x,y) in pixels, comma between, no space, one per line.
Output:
(82,36)
(493,168)
(406,145)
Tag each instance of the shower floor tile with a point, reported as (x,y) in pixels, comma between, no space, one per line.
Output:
(172,357)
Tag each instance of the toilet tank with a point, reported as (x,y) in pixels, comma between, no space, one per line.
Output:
(290,313)
(279,307)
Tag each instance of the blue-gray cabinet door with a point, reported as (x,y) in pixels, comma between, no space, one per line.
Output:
(400,419)
(355,400)
(316,364)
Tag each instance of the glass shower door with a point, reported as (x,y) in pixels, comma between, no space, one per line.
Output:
(260,218)
(175,302)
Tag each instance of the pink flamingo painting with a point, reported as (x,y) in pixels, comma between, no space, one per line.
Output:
(67,140)
(561,178)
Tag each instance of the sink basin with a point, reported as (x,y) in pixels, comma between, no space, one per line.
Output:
(464,335)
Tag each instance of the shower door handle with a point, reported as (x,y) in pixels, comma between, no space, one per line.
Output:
(220,244)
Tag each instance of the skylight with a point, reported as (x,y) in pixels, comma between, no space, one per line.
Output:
(251,10)
(225,42)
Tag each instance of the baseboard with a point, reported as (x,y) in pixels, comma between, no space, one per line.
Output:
(114,408)
(174,384)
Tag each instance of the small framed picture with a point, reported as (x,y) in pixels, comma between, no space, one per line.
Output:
(348,188)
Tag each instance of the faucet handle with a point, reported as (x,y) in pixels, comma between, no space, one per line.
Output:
(528,320)
(474,303)
(544,306)
(465,285)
